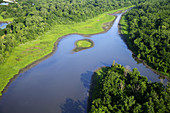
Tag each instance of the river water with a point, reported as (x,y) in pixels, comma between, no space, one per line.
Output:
(4,3)
(61,82)
(3,25)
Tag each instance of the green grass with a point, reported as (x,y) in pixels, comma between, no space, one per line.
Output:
(25,54)
(5,20)
(124,32)
(124,26)
(83,43)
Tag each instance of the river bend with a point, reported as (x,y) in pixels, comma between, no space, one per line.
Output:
(61,82)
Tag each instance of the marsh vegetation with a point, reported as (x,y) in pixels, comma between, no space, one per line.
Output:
(83,44)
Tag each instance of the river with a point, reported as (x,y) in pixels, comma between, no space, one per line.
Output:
(61,82)
(3,25)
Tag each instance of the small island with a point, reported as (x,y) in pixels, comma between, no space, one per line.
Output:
(83,44)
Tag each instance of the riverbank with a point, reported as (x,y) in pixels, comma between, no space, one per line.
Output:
(123,30)
(31,53)
(7,20)
(112,88)
(94,83)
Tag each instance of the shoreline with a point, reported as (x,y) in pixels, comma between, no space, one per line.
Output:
(5,22)
(136,58)
(92,85)
(55,46)
(13,74)
(77,49)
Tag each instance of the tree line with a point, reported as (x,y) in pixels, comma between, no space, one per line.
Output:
(117,90)
(149,33)
(34,17)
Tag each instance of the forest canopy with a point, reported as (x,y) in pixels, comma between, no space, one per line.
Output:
(149,33)
(116,89)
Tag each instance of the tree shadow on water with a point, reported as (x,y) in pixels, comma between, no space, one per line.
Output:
(79,106)
(86,79)
(72,106)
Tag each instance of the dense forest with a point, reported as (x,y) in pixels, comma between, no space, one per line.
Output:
(149,33)
(116,89)
(34,17)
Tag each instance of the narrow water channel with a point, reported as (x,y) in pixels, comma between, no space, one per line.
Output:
(3,25)
(61,82)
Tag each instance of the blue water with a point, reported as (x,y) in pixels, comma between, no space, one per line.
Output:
(4,3)
(61,82)
(3,25)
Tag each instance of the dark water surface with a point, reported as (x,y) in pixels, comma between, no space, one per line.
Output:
(61,82)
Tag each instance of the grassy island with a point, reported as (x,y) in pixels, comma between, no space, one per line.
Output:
(83,44)
(116,89)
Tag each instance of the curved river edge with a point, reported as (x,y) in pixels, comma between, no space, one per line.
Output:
(106,27)
(94,81)
(135,56)
(8,22)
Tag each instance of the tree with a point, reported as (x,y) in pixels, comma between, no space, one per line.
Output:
(115,92)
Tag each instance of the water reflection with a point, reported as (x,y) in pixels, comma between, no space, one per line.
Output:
(71,106)
(86,79)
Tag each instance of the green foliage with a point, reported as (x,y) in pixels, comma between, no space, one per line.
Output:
(31,18)
(24,54)
(124,26)
(83,43)
(5,20)
(116,89)
(148,33)
(37,24)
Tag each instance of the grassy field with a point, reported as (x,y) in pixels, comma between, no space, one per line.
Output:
(5,20)
(83,43)
(27,53)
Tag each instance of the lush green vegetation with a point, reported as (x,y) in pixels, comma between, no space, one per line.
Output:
(34,17)
(28,52)
(83,44)
(124,26)
(116,89)
(148,27)
(5,20)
